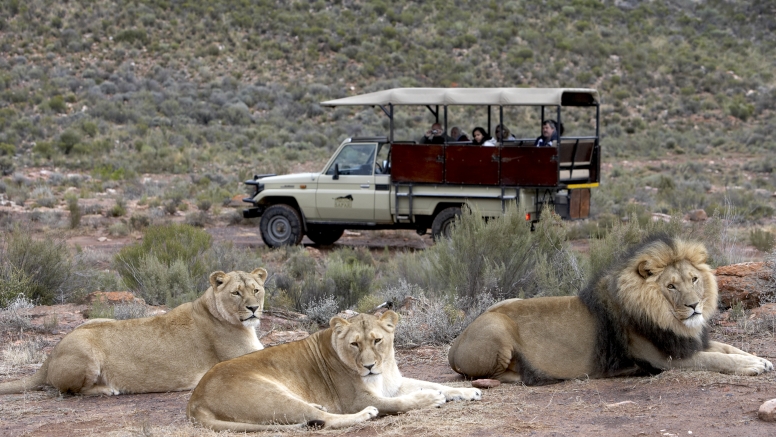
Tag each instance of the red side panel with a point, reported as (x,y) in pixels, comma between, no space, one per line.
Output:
(475,165)
(529,166)
(417,163)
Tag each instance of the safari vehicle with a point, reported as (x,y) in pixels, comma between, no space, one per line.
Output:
(389,181)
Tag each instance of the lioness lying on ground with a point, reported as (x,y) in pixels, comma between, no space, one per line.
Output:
(169,352)
(647,314)
(334,378)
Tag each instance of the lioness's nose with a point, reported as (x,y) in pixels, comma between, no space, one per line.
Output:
(369,366)
(252,308)
(692,305)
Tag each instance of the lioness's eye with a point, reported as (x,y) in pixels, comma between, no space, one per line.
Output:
(256,291)
(671,286)
(694,279)
(377,340)
(235,293)
(355,343)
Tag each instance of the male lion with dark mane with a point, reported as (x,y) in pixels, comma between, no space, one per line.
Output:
(647,314)
(334,378)
(169,352)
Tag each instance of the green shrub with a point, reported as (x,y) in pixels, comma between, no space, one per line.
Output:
(47,262)
(763,240)
(352,280)
(165,245)
(75,212)
(14,282)
(164,283)
(7,149)
(496,256)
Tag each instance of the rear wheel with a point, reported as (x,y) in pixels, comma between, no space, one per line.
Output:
(443,222)
(281,225)
(324,235)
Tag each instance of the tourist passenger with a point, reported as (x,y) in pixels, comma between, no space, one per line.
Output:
(456,134)
(502,134)
(549,136)
(435,135)
(481,138)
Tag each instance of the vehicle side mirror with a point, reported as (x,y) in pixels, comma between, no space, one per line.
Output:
(386,169)
(336,172)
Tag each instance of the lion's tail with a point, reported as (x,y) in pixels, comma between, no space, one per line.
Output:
(32,382)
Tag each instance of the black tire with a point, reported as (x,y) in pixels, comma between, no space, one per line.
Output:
(281,226)
(443,222)
(324,235)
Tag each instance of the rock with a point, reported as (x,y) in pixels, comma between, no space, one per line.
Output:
(313,252)
(767,411)
(346,314)
(744,283)
(764,311)
(486,383)
(697,215)
(281,337)
(113,297)
(237,200)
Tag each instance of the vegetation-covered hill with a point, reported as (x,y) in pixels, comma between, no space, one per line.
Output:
(231,87)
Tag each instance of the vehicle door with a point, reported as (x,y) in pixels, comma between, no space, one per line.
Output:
(346,190)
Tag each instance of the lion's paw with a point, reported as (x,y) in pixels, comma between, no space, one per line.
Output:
(752,365)
(464,394)
(371,412)
(429,398)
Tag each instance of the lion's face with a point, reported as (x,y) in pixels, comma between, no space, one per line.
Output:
(239,296)
(683,287)
(672,286)
(365,343)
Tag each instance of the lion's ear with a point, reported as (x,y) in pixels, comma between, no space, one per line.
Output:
(261,273)
(336,322)
(217,278)
(390,319)
(643,270)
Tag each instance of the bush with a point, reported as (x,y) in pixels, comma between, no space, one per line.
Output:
(438,321)
(763,240)
(495,256)
(352,281)
(321,310)
(75,212)
(14,283)
(160,283)
(47,263)
(166,245)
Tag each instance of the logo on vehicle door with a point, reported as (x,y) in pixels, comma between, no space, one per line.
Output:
(343,201)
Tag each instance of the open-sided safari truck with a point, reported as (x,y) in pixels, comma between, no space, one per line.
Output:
(395,181)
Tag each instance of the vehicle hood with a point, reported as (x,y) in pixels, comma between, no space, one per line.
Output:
(289,179)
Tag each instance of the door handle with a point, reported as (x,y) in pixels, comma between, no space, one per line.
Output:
(364,185)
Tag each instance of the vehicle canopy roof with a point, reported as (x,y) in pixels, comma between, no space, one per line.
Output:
(473,96)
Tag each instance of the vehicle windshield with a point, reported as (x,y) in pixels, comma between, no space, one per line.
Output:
(354,159)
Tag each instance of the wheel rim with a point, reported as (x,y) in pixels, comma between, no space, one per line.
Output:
(279,228)
(447,228)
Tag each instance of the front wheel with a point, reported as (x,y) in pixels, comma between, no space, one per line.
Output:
(281,226)
(324,235)
(442,225)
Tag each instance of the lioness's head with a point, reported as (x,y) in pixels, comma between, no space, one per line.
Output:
(239,296)
(365,342)
(669,282)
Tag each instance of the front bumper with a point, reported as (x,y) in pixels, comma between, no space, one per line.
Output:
(253,212)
